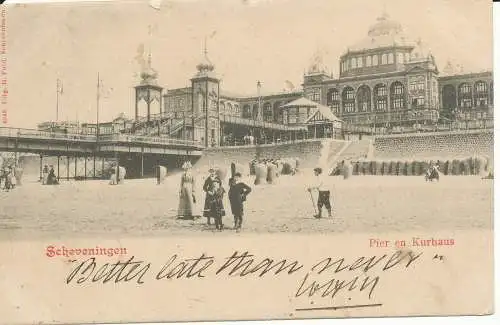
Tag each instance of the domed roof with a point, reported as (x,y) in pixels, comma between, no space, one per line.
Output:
(384,33)
(385,26)
(149,75)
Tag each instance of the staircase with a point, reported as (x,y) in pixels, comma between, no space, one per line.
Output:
(359,149)
(351,150)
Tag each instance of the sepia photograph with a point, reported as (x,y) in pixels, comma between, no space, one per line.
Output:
(193,121)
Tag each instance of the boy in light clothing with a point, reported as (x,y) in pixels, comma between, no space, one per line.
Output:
(320,185)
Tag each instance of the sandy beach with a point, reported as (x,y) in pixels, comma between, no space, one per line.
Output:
(143,208)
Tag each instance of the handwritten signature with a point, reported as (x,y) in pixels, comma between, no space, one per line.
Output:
(328,278)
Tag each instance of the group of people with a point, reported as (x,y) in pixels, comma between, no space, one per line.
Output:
(214,198)
(49,176)
(8,178)
(432,172)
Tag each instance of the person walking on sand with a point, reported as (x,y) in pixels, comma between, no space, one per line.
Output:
(323,193)
(187,198)
(45,174)
(237,196)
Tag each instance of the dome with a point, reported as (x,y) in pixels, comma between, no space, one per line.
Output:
(385,26)
(317,65)
(384,33)
(205,67)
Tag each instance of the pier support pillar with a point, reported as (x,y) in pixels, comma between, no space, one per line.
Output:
(76,159)
(41,168)
(67,168)
(142,163)
(85,168)
(102,169)
(58,163)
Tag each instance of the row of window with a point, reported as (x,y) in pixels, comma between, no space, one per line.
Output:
(397,89)
(373,60)
(380,104)
(480,87)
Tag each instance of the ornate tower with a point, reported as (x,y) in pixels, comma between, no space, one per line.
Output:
(148,92)
(205,103)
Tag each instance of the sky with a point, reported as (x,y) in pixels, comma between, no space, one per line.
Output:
(267,40)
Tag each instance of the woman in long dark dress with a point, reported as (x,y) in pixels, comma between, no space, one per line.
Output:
(216,205)
(207,188)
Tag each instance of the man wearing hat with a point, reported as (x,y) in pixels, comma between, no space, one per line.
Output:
(208,188)
(323,192)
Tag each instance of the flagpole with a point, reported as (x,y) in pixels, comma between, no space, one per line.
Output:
(97,110)
(57,100)
(97,118)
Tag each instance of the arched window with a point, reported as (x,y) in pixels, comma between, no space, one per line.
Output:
(481,94)
(333,100)
(353,63)
(401,58)
(391,58)
(449,95)
(360,62)
(380,97)
(398,96)
(222,108)
(375,60)
(384,58)
(255,111)
(314,94)
(237,110)
(407,57)
(348,100)
(247,111)
(229,109)
(364,99)
(369,61)
(465,95)
(268,112)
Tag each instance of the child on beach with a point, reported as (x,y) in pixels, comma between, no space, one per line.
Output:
(237,195)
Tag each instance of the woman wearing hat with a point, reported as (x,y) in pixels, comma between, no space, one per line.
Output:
(187,197)
(208,189)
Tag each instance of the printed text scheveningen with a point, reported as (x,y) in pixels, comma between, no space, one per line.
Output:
(53,251)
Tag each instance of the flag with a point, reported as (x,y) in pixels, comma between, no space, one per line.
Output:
(213,34)
(104,92)
(59,87)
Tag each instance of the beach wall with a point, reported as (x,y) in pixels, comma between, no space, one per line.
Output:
(308,153)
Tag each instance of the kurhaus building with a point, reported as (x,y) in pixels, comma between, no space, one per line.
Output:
(387,81)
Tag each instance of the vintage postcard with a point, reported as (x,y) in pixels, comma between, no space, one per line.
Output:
(245,160)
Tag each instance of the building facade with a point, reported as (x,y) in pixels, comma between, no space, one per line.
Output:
(387,81)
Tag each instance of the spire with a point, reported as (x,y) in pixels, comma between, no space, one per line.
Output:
(205,68)
(384,15)
(149,75)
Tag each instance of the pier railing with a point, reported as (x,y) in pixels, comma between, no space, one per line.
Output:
(47,135)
